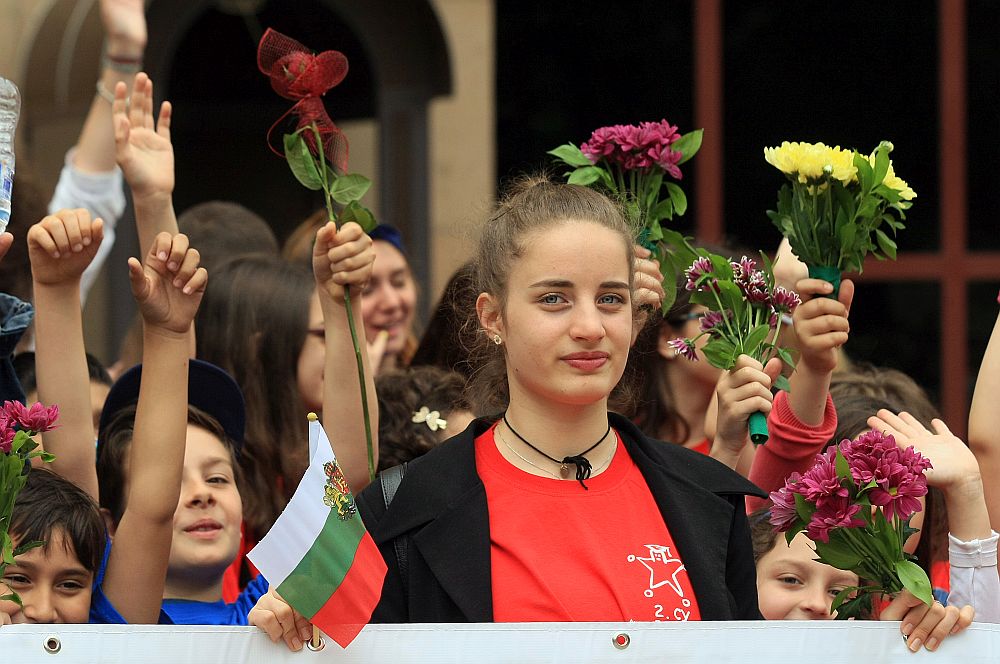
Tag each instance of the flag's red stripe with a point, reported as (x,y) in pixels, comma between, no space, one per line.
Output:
(350,608)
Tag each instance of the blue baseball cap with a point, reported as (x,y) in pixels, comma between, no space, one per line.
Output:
(210,389)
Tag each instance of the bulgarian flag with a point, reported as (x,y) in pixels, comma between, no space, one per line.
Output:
(318,555)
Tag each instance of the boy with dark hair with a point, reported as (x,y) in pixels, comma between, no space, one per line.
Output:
(54,581)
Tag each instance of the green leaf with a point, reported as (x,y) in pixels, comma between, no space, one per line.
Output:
(865,174)
(885,243)
(781,383)
(857,607)
(915,580)
(350,187)
(655,232)
(753,340)
(359,214)
(841,557)
(842,597)
(585,176)
(785,356)
(803,508)
(881,164)
(12,597)
(720,353)
(688,145)
(663,210)
(841,465)
(301,162)
(571,155)
(678,198)
(652,187)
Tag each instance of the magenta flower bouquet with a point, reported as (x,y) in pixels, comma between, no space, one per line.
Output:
(744,317)
(855,505)
(17,426)
(635,164)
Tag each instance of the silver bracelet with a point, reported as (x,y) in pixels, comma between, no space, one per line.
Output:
(107,95)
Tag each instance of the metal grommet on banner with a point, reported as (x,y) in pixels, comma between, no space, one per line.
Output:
(52,645)
(621,640)
(317,642)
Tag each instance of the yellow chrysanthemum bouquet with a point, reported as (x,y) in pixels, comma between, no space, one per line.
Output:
(837,205)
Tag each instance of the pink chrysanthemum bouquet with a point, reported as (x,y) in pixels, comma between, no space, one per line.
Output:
(634,164)
(855,504)
(18,424)
(744,317)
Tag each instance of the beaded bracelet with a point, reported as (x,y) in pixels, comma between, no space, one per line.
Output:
(120,64)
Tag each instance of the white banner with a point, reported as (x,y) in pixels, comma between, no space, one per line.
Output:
(579,643)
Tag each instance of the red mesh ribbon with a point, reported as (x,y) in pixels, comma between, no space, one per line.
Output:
(297,74)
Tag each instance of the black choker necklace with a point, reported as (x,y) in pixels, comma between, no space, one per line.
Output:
(582,463)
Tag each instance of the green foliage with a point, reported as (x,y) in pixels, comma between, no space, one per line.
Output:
(348,188)
(301,162)
(915,580)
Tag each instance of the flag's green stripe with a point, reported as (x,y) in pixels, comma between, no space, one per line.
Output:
(324,565)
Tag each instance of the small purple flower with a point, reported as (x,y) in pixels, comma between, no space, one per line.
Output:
(7,434)
(784,301)
(37,418)
(701,267)
(836,512)
(683,347)
(783,512)
(743,272)
(820,483)
(711,320)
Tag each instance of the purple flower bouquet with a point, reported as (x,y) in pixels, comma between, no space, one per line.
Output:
(855,505)
(634,165)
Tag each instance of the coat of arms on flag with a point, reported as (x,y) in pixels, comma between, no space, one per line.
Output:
(318,555)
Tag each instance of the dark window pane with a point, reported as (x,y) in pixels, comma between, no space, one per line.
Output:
(982,318)
(842,73)
(567,68)
(898,325)
(984,130)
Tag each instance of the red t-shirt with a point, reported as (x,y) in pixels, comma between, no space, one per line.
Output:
(560,553)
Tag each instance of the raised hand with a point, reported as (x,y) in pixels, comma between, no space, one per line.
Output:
(743,390)
(124,24)
(142,146)
(62,245)
(821,324)
(342,258)
(169,285)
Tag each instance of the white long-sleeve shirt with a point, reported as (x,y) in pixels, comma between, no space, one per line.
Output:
(974,579)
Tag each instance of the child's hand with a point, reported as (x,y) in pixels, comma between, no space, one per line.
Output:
(821,324)
(280,621)
(169,286)
(744,390)
(648,281)
(954,464)
(5,619)
(142,147)
(62,245)
(924,625)
(342,257)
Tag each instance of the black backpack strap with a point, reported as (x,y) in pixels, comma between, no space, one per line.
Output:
(391,479)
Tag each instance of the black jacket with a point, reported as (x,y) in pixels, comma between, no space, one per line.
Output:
(440,509)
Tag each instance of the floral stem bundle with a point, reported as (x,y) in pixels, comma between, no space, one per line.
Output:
(745,310)
(18,425)
(855,504)
(837,205)
(634,164)
(317,154)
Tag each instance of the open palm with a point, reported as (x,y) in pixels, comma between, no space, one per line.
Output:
(142,146)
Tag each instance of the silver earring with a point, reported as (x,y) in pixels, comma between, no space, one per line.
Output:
(497,340)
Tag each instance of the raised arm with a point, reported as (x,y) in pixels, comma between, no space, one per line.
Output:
(744,390)
(60,247)
(168,299)
(343,258)
(146,156)
(972,542)
(984,424)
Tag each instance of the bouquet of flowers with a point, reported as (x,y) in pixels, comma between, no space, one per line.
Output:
(317,151)
(855,505)
(634,164)
(836,205)
(17,426)
(744,317)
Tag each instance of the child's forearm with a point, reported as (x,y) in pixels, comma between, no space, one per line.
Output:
(342,412)
(136,572)
(154,214)
(63,379)
(984,423)
(968,518)
(807,396)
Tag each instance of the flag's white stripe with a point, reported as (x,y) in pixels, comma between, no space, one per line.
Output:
(302,519)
